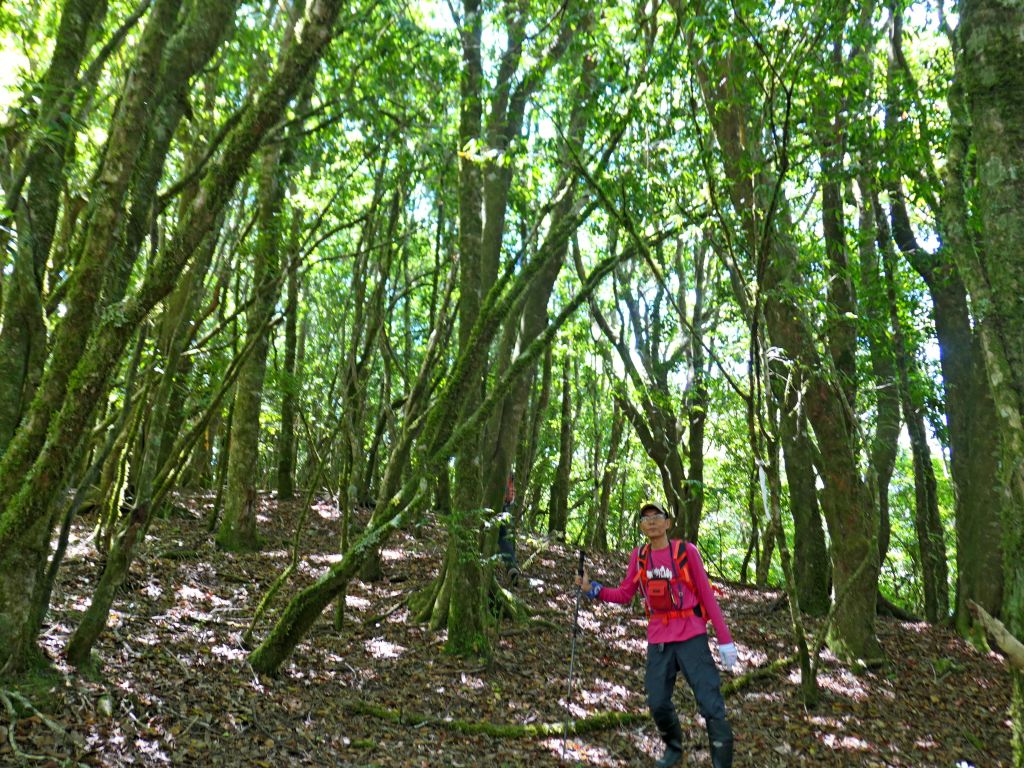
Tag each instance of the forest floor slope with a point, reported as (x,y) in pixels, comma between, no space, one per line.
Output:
(175,687)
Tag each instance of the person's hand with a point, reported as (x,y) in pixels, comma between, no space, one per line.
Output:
(583,582)
(728,653)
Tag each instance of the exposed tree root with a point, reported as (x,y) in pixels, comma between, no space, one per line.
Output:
(598,722)
(5,698)
(889,608)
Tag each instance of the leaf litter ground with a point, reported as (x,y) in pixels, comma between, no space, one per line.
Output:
(175,687)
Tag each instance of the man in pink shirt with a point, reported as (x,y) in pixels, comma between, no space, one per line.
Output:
(678,608)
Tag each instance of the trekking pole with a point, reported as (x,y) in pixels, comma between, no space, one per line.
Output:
(572,656)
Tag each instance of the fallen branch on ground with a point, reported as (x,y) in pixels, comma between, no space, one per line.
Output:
(1010,645)
(590,724)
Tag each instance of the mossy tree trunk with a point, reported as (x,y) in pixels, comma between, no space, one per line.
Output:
(848,501)
(930,536)
(558,504)
(970,411)
(33,471)
(484,184)
(23,335)
(992,65)
(24,535)
(237,529)
(598,539)
(290,382)
(811,566)
(876,326)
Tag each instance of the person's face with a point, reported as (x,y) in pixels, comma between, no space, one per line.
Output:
(654,524)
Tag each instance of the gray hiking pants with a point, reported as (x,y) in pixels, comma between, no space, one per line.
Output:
(693,658)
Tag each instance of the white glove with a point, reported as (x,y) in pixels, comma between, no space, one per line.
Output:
(728,653)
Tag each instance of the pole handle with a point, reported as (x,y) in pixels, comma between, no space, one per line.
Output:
(579,569)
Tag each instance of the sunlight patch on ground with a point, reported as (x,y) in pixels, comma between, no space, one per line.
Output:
(152,750)
(755,658)
(329,559)
(765,696)
(604,695)
(392,554)
(843,683)
(631,644)
(577,752)
(228,652)
(400,617)
(327,511)
(152,590)
(380,648)
(80,545)
(187,594)
(472,681)
(849,743)
(359,603)
(920,627)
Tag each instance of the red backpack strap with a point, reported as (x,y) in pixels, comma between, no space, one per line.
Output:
(641,566)
(681,558)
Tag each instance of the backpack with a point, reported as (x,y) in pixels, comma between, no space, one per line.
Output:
(660,596)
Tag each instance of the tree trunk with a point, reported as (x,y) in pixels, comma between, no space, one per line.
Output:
(850,508)
(876,325)
(23,336)
(466,615)
(32,471)
(238,526)
(526,453)
(599,538)
(928,525)
(558,508)
(290,377)
(970,411)
(812,569)
(992,64)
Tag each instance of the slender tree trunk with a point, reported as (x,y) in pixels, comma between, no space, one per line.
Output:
(811,565)
(527,452)
(599,539)
(466,616)
(873,303)
(290,378)
(848,502)
(930,536)
(23,336)
(238,526)
(558,512)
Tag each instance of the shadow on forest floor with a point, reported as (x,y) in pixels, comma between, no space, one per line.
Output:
(176,688)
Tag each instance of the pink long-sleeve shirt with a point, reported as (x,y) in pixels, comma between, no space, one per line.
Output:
(676,629)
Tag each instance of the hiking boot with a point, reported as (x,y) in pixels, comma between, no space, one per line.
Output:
(673,739)
(673,754)
(720,742)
